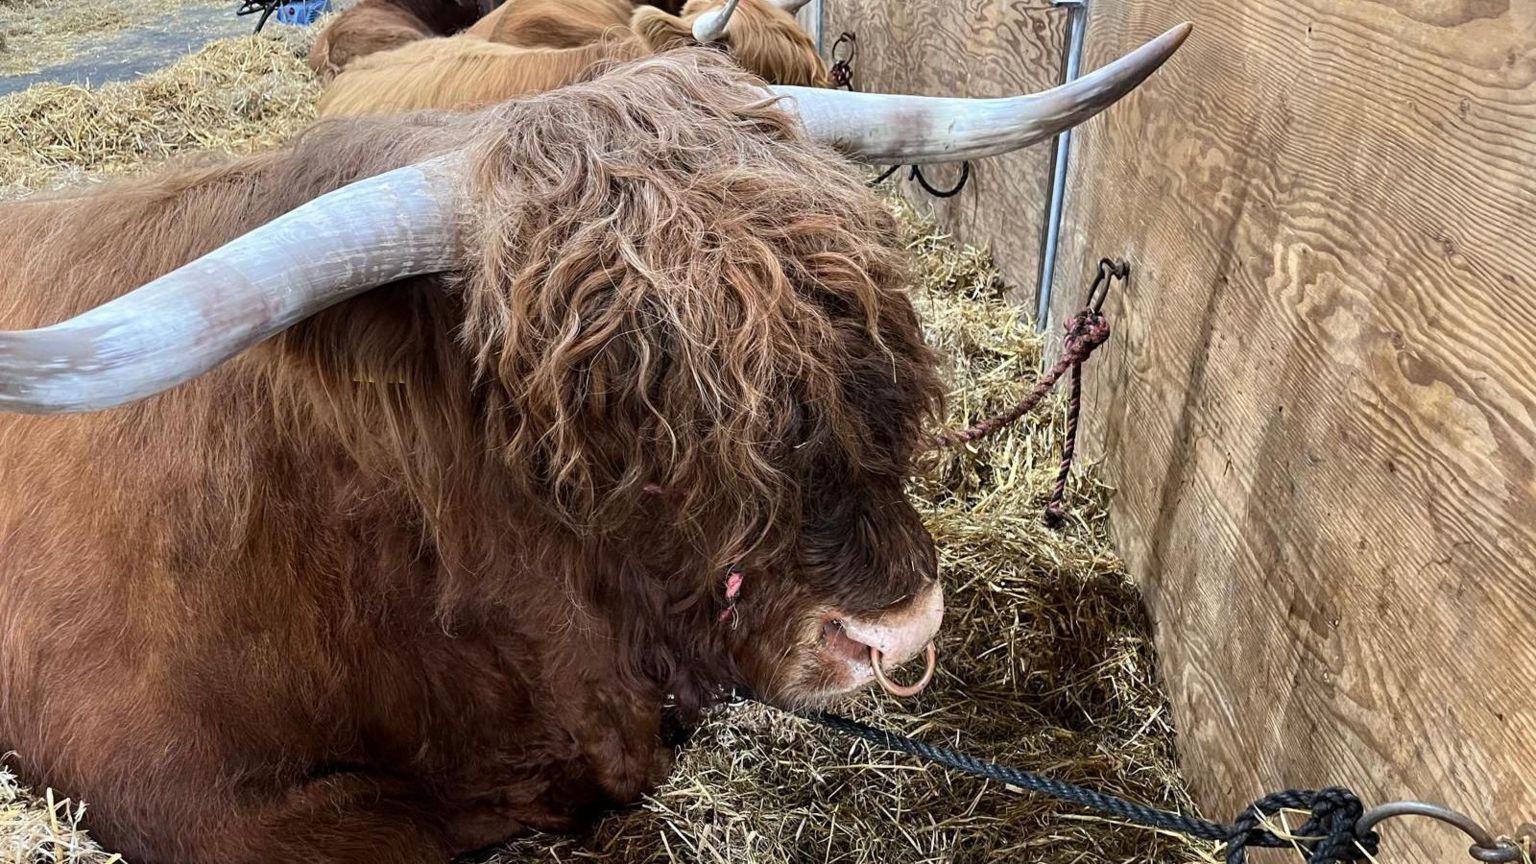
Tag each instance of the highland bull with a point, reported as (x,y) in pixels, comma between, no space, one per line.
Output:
(574,23)
(553,23)
(467,71)
(343,541)
(372,26)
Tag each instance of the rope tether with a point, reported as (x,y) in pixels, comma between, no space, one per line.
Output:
(1328,835)
(916,173)
(1086,331)
(1338,829)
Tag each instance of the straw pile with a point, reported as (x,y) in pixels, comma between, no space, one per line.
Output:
(39,33)
(1045,661)
(235,96)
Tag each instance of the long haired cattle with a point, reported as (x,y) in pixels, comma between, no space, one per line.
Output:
(761,35)
(415,474)
(465,72)
(554,23)
(371,26)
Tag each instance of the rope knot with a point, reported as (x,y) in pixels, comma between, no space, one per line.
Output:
(842,75)
(1328,835)
(843,51)
(1086,331)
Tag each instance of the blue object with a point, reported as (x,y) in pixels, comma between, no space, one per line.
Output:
(302,12)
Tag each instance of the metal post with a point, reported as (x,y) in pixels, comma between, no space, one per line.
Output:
(814,21)
(1077,23)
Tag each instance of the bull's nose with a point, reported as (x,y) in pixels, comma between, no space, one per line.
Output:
(902,632)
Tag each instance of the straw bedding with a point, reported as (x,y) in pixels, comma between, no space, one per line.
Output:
(235,96)
(39,33)
(1045,661)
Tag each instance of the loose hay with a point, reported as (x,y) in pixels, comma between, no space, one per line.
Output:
(1045,660)
(43,828)
(235,96)
(39,33)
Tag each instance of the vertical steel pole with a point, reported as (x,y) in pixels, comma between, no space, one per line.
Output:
(1077,23)
(815,22)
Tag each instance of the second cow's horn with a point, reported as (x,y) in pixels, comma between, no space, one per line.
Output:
(710,27)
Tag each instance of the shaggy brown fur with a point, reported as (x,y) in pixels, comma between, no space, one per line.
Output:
(278,615)
(466,72)
(763,38)
(372,26)
(553,23)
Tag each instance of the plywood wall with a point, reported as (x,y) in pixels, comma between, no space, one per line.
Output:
(1319,402)
(965,48)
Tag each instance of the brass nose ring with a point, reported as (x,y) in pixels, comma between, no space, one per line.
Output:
(891,687)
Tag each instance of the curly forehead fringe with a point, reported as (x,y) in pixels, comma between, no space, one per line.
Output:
(673,285)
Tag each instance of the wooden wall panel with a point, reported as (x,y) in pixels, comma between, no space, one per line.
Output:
(969,48)
(1319,403)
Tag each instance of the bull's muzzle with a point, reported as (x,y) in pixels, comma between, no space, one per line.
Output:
(899,635)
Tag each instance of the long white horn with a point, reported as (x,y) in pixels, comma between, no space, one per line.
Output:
(922,129)
(790,6)
(375,231)
(710,27)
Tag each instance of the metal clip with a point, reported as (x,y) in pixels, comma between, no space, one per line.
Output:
(841,72)
(1108,268)
(1485,847)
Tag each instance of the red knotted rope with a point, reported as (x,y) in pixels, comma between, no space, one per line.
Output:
(1086,331)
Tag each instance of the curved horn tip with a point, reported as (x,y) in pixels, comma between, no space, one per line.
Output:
(1174,36)
(1140,63)
(790,6)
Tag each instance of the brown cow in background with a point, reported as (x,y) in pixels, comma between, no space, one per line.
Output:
(469,72)
(554,23)
(356,554)
(371,26)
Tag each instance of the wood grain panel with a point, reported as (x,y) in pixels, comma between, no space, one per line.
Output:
(967,48)
(1319,404)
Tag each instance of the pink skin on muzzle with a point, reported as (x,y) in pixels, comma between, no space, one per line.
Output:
(892,639)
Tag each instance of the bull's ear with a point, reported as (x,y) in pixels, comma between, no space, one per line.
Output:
(659,30)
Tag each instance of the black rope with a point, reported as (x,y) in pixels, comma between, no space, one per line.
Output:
(1328,835)
(885,175)
(916,173)
(265,7)
(965,174)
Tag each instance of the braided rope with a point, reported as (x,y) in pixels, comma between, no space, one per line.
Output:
(1328,834)
(1086,331)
